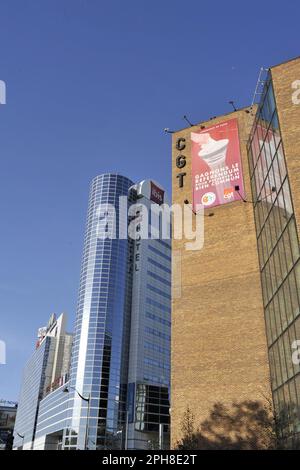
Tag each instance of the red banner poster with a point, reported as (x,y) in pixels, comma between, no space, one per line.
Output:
(216,165)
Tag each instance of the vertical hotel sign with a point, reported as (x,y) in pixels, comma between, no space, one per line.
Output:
(216,164)
(156,193)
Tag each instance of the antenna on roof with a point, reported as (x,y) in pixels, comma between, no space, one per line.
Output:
(232,104)
(188,121)
(262,78)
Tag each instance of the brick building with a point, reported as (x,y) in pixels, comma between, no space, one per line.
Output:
(236,320)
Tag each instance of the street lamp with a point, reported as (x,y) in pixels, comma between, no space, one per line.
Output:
(88,400)
(126,432)
(21,436)
(121,438)
(161,436)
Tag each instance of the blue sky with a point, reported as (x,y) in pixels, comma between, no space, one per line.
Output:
(90,87)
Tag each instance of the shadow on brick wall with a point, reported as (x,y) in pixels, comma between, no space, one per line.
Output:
(247,425)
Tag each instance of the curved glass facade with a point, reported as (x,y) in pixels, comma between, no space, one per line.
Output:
(118,383)
(100,350)
(279,258)
(52,419)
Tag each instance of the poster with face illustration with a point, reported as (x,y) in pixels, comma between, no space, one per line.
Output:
(216,165)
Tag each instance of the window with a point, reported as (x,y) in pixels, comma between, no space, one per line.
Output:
(279,257)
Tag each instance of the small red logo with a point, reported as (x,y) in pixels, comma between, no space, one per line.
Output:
(228,193)
(157,194)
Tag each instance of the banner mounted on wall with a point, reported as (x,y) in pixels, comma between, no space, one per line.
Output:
(216,165)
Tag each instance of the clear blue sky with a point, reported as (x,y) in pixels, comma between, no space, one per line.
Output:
(90,87)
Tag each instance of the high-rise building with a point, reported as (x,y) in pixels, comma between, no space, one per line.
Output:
(8,411)
(236,321)
(117,395)
(99,360)
(150,332)
(46,370)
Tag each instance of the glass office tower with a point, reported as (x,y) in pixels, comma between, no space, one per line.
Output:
(120,370)
(279,259)
(45,371)
(150,334)
(122,333)
(35,379)
(117,392)
(99,359)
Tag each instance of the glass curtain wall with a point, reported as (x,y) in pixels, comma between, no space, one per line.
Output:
(99,356)
(279,258)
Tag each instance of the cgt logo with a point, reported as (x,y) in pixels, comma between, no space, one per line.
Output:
(2,92)
(157,194)
(228,193)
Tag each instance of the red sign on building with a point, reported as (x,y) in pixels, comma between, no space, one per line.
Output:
(157,194)
(216,165)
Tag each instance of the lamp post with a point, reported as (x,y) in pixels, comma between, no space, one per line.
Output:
(126,431)
(21,436)
(161,436)
(121,438)
(88,400)
(121,431)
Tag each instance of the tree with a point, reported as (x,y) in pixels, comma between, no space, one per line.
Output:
(244,425)
(189,440)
